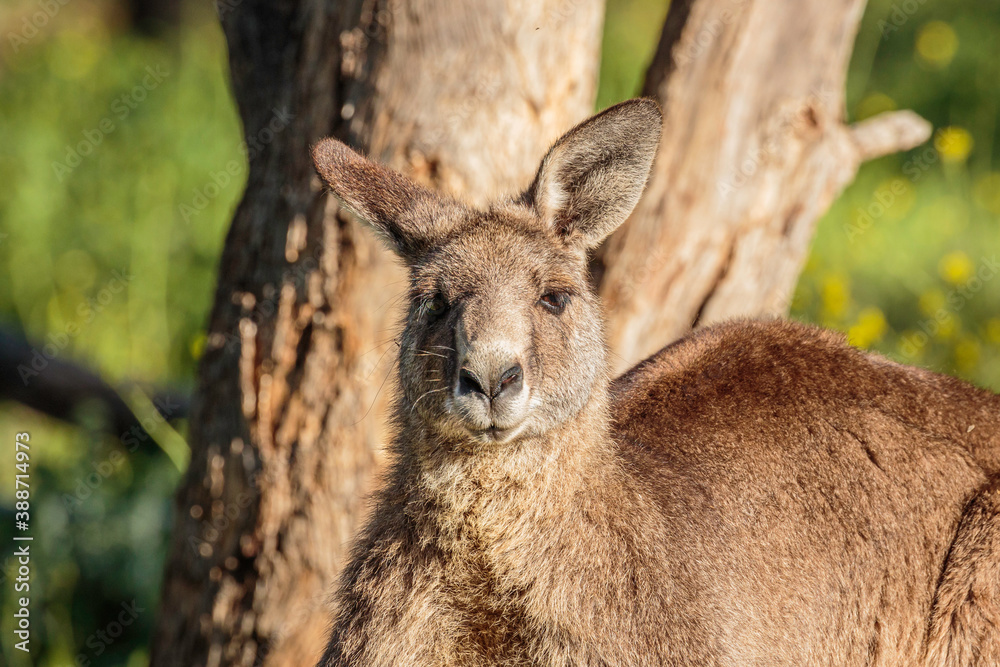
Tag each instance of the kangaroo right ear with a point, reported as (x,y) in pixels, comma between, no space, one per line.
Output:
(407,216)
(591,179)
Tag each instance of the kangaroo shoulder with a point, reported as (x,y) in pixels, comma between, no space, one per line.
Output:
(745,360)
(722,378)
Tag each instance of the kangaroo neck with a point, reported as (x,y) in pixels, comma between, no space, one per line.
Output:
(536,527)
(512,490)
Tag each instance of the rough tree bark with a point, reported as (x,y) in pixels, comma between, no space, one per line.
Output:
(464,96)
(754,151)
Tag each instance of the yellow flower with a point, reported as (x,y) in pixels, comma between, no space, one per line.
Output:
(986,192)
(953,143)
(197,345)
(911,345)
(993,330)
(967,354)
(869,328)
(956,267)
(937,44)
(836,294)
(947,329)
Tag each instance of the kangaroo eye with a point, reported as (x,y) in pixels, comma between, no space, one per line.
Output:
(435,306)
(555,302)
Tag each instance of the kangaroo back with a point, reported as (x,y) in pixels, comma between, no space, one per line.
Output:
(824,488)
(811,375)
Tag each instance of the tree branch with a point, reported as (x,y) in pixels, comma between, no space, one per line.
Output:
(888,133)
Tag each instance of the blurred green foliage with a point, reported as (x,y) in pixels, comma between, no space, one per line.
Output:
(906,261)
(104,136)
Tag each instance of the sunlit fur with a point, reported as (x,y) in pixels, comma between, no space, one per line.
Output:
(758,493)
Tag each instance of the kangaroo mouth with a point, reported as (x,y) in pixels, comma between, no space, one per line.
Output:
(497,434)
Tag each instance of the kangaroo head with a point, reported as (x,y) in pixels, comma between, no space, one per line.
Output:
(503,337)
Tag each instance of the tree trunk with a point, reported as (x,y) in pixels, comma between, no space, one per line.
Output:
(464,96)
(754,151)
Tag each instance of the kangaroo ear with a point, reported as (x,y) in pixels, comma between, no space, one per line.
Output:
(407,216)
(592,178)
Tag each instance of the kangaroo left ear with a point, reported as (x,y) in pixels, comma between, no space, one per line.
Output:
(592,178)
(407,216)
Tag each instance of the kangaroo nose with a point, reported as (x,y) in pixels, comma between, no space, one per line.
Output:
(507,383)
(468,383)
(510,382)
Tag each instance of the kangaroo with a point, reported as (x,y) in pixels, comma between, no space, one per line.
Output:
(757,493)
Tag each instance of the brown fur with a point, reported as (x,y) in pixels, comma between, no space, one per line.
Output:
(759,493)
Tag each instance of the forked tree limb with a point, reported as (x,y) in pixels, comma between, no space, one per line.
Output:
(754,151)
